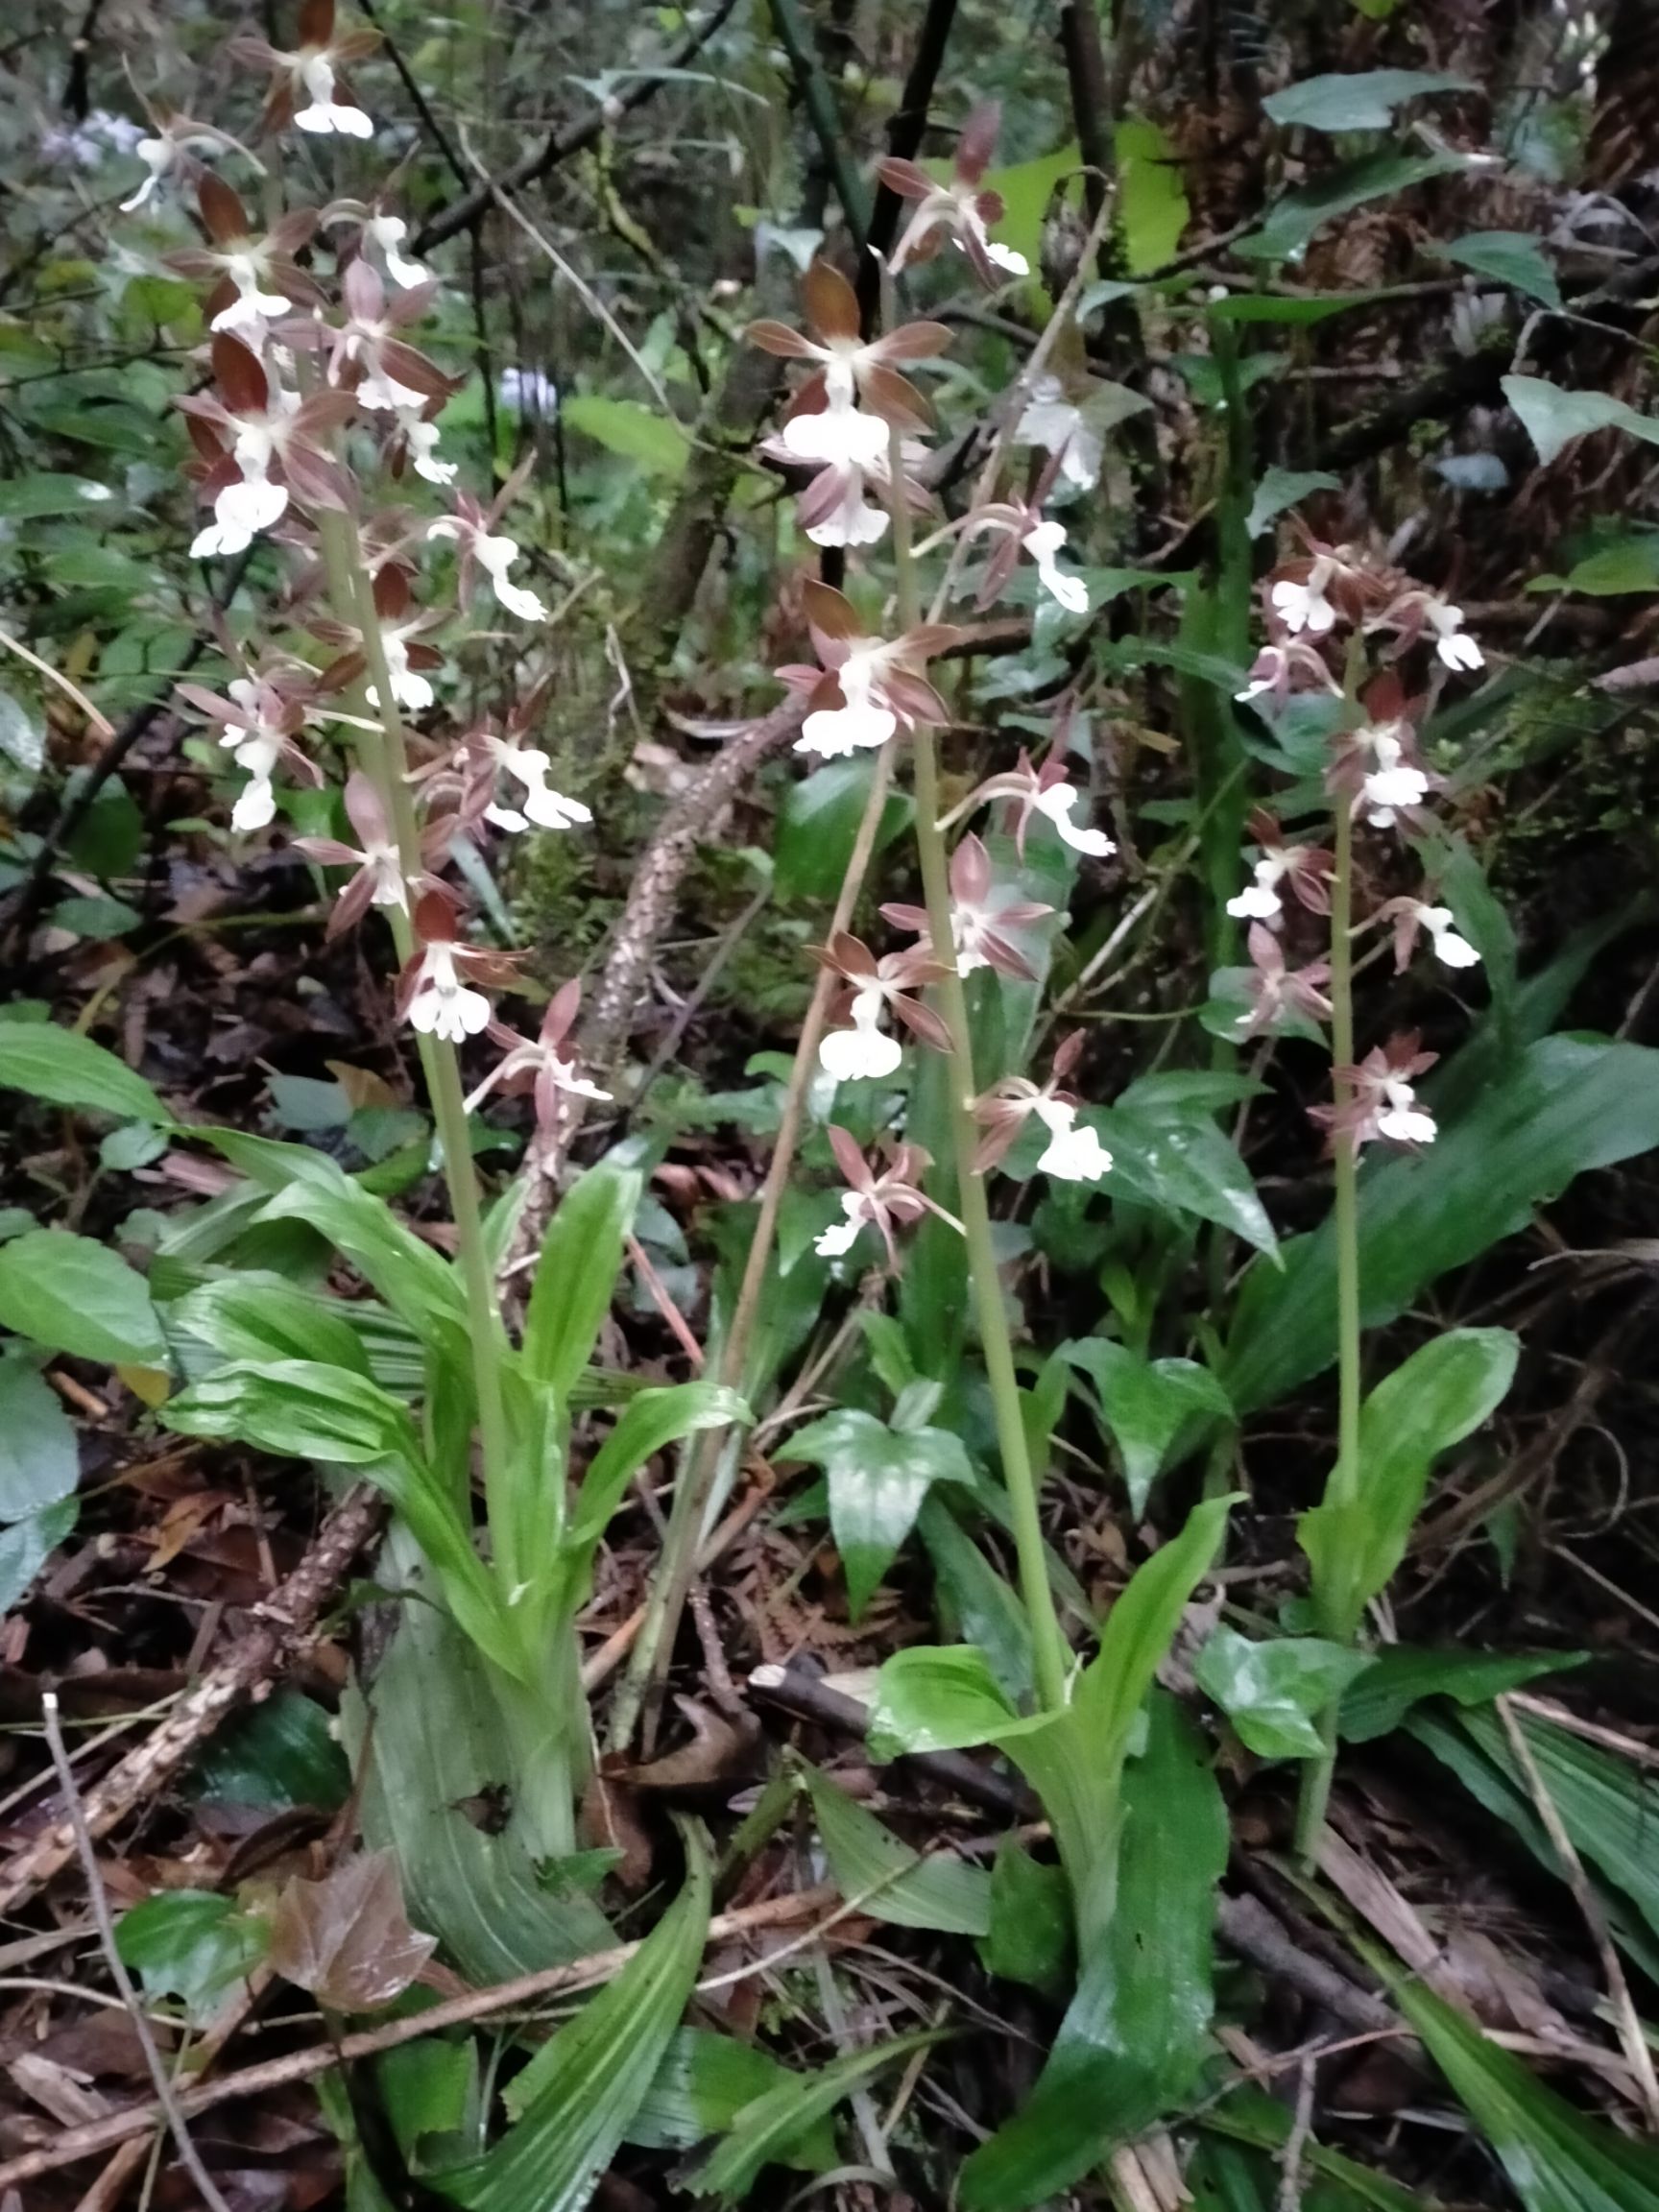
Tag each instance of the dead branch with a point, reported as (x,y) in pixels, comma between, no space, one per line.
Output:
(283,1624)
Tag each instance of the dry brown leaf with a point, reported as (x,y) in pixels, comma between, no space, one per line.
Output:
(347,1938)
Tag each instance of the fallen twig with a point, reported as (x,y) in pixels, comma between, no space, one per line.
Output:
(98,2135)
(283,1623)
(98,1898)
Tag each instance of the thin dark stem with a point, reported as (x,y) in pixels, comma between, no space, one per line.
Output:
(904,135)
(819,102)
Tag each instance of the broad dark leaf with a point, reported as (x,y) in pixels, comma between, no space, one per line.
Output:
(1133,2041)
(1565,1105)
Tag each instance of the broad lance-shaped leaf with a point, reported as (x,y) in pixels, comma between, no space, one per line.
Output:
(1274,1692)
(1030,1936)
(1134,2038)
(1399,1678)
(704,2083)
(928,1698)
(65,1069)
(580,2092)
(307,1185)
(1513,258)
(877,1478)
(769,2130)
(1148,1407)
(1441,1394)
(442,1753)
(576,1275)
(1292,221)
(1608,1809)
(73,1294)
(651,1421)
(1183,1164)
(1250,2116)
(885,1878)
(39,1462)
(1564,1105)
(1557,2157)
(1076,1763)
(305,1410)
(1281,487)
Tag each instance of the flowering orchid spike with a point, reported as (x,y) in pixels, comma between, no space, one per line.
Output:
(274,447)
(1303,870)
(1381,1100)
(825,422)
(1043,541)
(432,994)
(1063,430)
(238,261)
(1048,792)
(866,688)
(307,88)
(541,1066)
(854,1044)
(961,209)
(980,921)
(885,1200)
(1375,767)
(259,726)
(1072,1154)
(169,153)
(1411,917)
(377,879)
(1275,990)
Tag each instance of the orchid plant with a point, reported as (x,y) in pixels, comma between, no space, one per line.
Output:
(318,419)
(1343,626)
(318,446)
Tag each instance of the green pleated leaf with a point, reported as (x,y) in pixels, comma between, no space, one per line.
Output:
(1439,1396)
(1558,2158)
(765,2131)
(1608,1809)
(1135,2036)
(872,1867)
(1400,1678)
(704,2081)
(1357,100)
(576,1275)
(439,1779)
(1148,1408)
(1029,1938)
(580,2093)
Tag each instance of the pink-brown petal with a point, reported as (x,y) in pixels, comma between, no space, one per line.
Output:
(907,179)
(830,302)
(778,338)
(914,341)
(830,613)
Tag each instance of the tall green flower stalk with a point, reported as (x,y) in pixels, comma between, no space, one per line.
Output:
(1343,1487)
(1051,1654)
